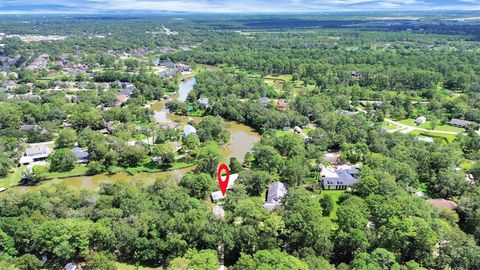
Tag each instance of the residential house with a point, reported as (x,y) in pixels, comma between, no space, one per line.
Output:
(217,195)
(167,64)
(203,102)
(460,123)
(264,100)
(81,154)
(10,85)
(420,120)
(121,99)
(189,129)
(338,178)
(70,266)
(34,154)
(275,194)
(218,211)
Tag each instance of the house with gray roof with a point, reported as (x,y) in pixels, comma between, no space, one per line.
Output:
(264,100)
(460,123)
(203,102)
(189,129)
(338,178)
(275,194)
(38,153)
(81,154)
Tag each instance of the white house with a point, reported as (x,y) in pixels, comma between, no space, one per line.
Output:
(275,194)
(33,154)
(189,129)
(338,179)
(420,120)
(217,195)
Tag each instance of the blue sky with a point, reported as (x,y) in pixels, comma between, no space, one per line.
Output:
(89,6)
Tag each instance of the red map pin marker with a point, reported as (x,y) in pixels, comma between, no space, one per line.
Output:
(223,181)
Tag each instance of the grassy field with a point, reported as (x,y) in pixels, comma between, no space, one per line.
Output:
(124,266)
(448,138)
(426,125)
(77,171)
(389,126)
(335,195)
(12,178)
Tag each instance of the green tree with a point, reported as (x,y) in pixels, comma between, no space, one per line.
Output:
(212,129)
(208,159)
(198,185)
(198,260)
(99,261)
(191,142)
(255,181)
(66,138)
(132,156)
(306,227)
(269,259)
(234,165)
(5,165)
(165,152)
(62,160)
(327,204)
(28,262)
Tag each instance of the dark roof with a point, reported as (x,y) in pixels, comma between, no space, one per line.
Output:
(343,177)
(167,64)
(460,122)
(80,153)
(27,127)
(276,191)
(127,92)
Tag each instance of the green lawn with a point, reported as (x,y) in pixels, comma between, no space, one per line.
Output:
(389,126)
(12,178)
(426,125)
(335,195)
(77,171)
(124,266)
(448,138)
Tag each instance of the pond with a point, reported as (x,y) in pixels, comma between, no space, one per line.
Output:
(242,141)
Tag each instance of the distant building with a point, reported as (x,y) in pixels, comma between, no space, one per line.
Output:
(34,154)
(420,120)
(460,123)
(167,64)
(425,139)
(203,102)
(70,266)
(217,195)
(81,154)
(338,179)
(218,211)
(264,100)
(275,194)
(189,129)
(442,204)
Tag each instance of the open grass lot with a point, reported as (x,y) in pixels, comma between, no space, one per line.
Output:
(335,195)
(124,266)
(12,178)
(438,127)
(77,171)
(448,138)
(389,126)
